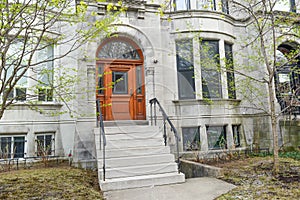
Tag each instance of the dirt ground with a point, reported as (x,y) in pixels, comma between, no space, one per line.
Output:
(255,179)
(49,183)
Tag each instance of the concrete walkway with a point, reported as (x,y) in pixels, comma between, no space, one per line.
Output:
(193,189)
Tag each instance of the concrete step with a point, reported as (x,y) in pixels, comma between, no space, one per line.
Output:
(141,181)
(129,136)
(135,151)
(121,144)
(126,123)
(137,160)
(131,129)
(139,170)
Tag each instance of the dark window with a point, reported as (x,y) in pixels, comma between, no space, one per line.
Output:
(225,6)
(12,147)
(19,144)
(210,69)
(44,145)
(185,69)
(236,135)
(191,138)
(230,72)
(120,82)
(293,7)
(139,81)
(216,137)
(20,94)
(45,94)
(5,147)
(100,77)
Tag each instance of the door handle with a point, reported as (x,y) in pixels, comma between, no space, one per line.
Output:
(130,91)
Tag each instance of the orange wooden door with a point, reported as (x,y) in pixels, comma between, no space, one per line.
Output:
(123,93)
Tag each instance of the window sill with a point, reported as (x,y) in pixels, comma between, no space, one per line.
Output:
(32,105)
(206,102)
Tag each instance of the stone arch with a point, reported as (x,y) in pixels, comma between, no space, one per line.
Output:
(138,37)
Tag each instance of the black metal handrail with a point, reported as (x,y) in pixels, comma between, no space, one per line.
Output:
(100,124)
(153,117)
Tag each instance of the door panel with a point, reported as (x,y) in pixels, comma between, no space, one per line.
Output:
(123,96)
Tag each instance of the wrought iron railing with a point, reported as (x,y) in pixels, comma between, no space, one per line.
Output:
(153,117)
(100,124)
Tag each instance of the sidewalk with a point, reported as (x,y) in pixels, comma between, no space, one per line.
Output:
(193,189)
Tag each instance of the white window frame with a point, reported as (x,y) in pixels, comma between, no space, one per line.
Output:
(52,143)
(12,144)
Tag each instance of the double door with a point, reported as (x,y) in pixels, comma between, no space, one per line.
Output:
(121,91)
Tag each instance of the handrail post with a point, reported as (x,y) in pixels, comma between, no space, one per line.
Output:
(165,132)
(151,114)
(102,135)
(155,116)
(173,129)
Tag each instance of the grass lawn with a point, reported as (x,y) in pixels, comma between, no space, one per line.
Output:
(254,179)
(50,183)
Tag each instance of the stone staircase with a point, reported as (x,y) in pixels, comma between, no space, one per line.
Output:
(135,157)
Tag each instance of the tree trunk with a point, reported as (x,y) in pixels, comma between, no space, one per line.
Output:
(274,127)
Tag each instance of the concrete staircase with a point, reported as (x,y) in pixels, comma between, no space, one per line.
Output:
(135,157)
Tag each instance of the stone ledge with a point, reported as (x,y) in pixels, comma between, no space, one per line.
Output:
(193,169)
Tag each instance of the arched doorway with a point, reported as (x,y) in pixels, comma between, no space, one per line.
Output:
(288,77)
(120,80)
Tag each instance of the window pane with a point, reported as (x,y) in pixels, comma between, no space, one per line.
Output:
(48,144)
(49,94)
(184,54)
(5,143)
(100,77)
(19,144)
(206,4)
(120,82)
(185,69)
(42,94)
(40,145)
(191,138)
(186,85)
(45,69)
(210,69)
(216,137)
(225,6)
(20,94)
(182,4)
(139,82)
(230,72)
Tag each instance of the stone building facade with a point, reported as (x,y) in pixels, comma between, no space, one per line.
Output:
(156,56)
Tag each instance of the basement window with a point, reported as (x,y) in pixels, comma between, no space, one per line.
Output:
(216,137)
(191,138)
(45,144)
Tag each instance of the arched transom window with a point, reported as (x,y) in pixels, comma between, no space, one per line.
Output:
(118,49)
